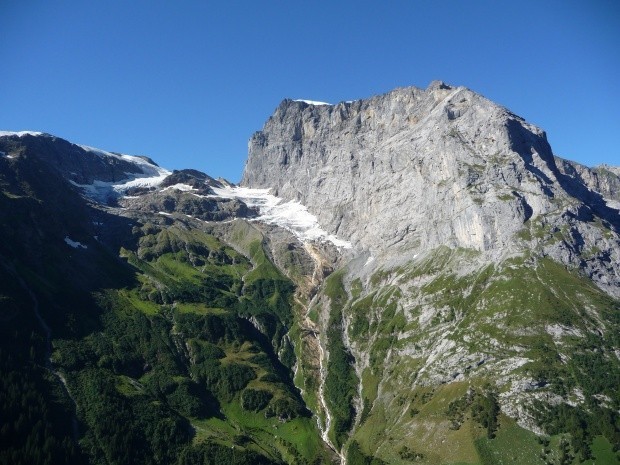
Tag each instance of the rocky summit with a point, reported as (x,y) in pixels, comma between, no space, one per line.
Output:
(410,278)
(414,169)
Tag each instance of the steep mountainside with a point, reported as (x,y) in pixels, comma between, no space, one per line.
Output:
(415,169)
(487,273)
(410,278)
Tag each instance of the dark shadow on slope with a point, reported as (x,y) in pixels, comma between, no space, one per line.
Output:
(49,236)
(523,141)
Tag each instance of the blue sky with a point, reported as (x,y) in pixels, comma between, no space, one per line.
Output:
(188,82)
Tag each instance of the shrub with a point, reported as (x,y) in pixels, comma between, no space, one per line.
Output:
(255,399)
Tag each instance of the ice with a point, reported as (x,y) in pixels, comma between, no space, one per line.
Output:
(292,216)
(179,187)
(20,133)
(147,168)
(101,153)
(74,244)
(101,190)
(312,102)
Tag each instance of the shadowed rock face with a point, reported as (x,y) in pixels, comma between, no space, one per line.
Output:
(193,178)
(72,161)
(414,169)
(603,179)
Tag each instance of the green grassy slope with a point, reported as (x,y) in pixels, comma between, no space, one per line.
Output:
(441,350)
(170,343)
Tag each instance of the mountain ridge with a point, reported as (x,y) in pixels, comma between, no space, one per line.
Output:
(476,302)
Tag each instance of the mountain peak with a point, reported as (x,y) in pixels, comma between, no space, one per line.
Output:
(379,171)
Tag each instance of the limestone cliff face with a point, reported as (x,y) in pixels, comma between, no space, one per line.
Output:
(603,179)
(473,245)
(377,170)
(414,169)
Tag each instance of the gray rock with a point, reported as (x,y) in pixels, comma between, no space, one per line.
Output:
(413,169)
(603,179)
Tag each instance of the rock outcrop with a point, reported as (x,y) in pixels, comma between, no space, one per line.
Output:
(603,179)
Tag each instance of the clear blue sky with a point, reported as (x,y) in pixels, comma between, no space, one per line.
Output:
(188,82)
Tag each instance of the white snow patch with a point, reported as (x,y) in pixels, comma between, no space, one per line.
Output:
(164,213)
(99,190)
(292,216)
(96,151)
(74,244)
(179,187)
(312,102)
(20,133)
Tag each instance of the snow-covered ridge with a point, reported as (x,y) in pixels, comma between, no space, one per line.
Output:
(292,216)
(101,190)
(151,176)
(147,168)
(312,102)
(20,133)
